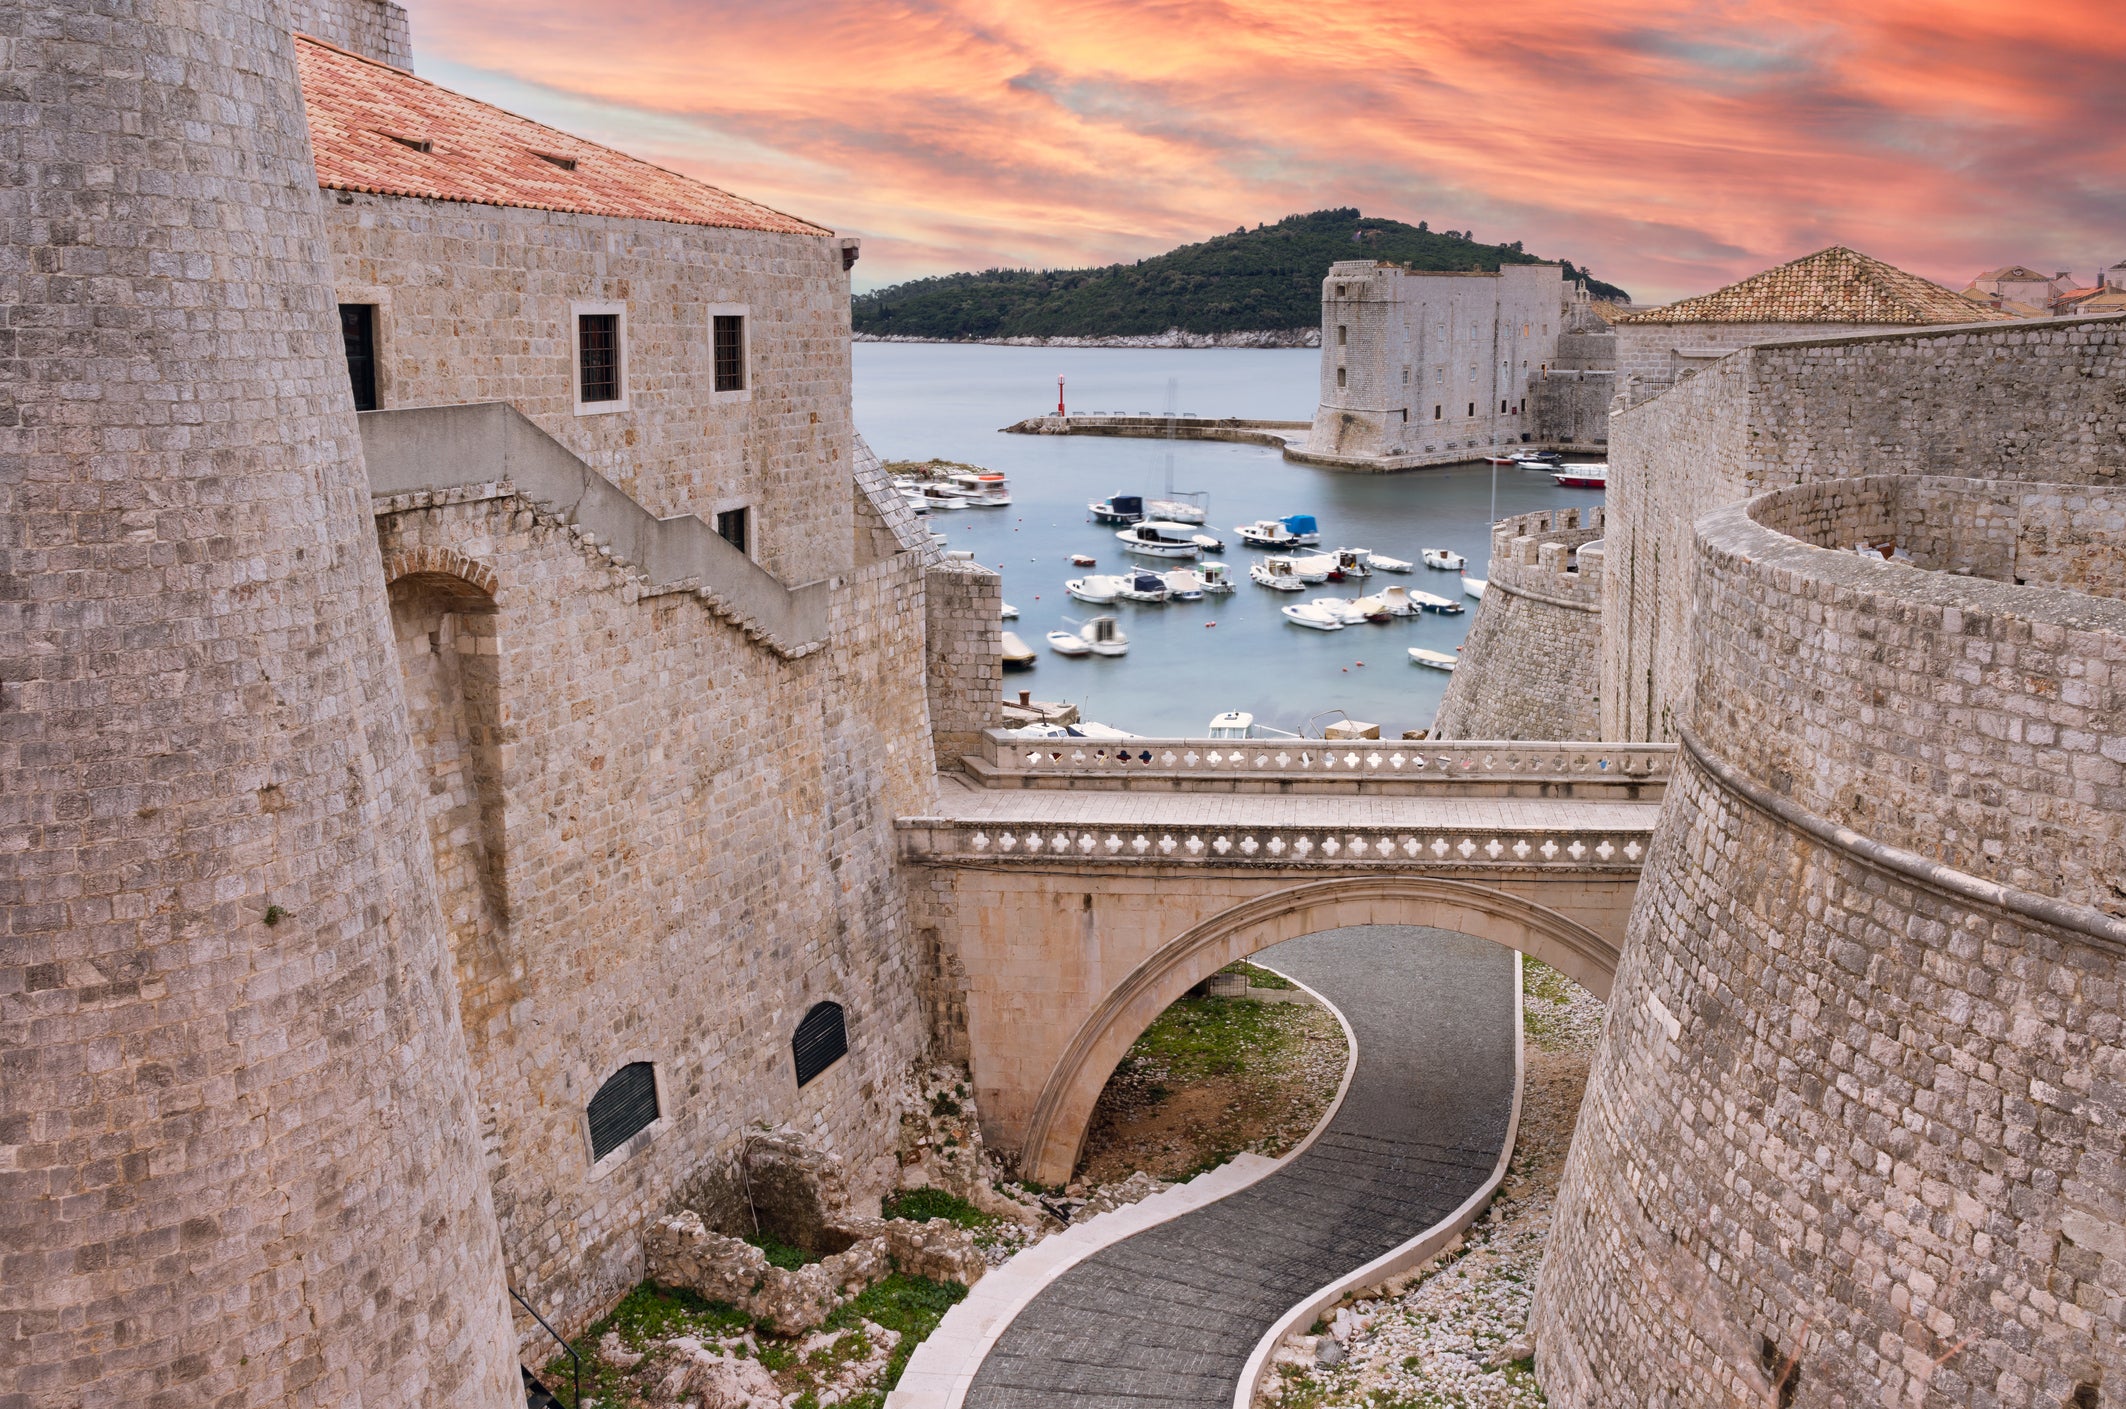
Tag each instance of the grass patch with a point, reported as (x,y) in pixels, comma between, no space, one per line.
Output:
(1199,1037)
(647,1314)
(1539,980)
(922,1205)
(912,1306)
(781,1254)
(1258,976)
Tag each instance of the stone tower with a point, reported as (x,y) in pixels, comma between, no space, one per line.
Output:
(240,1164)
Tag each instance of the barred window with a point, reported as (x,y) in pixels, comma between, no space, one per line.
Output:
(598,356)
(624,1107)
(822,1040)
(730,352)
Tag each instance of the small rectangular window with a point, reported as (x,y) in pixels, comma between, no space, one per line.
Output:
(1341,339)
(1406,415)
(1472,408)
(730,352)
(358,333)
(598,354)
(732,525)
(1435,413)
(1339,376)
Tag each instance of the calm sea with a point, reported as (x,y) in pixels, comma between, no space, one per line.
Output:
(1187,660)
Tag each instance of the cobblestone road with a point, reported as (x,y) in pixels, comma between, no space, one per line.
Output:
(1169,1317)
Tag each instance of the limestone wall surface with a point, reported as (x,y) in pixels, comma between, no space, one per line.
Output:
(2027,401)
(1531,665)
(499,326)
(1851,1135)
(663,843)
(964,641)
(375,29)
(1572,408)
(240,1163)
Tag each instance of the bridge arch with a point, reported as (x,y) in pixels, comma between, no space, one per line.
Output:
(1064,1108)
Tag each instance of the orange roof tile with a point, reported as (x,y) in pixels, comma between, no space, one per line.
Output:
(1836,285)
(379,129)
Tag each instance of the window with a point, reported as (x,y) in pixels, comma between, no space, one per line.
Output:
(1439,376)
(731,524)
(1406,415)
(730,352)
(1502,408)
(1472,408)
(1339,290)
(598,357)
(358,333)
(1339,376)
(623,1108)
(1435,413)
(822,1040)
(1406,376)
(1340,338)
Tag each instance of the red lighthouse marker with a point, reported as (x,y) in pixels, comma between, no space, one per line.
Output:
(1059,395)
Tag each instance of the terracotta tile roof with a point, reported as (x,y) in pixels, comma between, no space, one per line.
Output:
(1836,285)
(379,129)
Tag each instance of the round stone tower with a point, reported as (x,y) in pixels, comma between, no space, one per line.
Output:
(1854,1134)
(238,1158)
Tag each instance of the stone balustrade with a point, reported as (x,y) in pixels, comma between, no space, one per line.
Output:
(1636,771)
(1340,848)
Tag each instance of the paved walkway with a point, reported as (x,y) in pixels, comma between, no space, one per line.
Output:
(1170,1316)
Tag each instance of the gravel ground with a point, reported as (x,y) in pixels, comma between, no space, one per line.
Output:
(1456,1338)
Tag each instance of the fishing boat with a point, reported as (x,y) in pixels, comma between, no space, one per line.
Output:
(1156,538)
(1182,585)
(1303,527)
(1584,476)
(985,489)
(1277,574)
(1017,654)
(1117,508)
(1387,564)
(1536,459)
(1100,591)
(1349,612)
(1351,562)
(1069,643)
(1215,577)
(1105,636)
(1267,533)
(1143,585)
(1445,558)
(1437,660)
(1312,617)
(1008,613)
(1389,601)
(934,496)
(1445,606)
(1474,586)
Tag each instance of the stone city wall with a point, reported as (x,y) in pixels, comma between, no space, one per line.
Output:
(963,640)
(2021,401)
(660,842)
(1572,408)
(375,29)
(1530,667)
(1650,356)
(241,1165)
(1851,1136)
(499,327)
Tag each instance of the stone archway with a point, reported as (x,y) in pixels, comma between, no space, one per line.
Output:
(1064,1107)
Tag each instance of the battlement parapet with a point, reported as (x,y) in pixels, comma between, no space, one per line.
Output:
(1547,555)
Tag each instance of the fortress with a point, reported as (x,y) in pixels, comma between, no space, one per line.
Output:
(474,712)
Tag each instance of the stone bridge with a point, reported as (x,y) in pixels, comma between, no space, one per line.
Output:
(1074,888)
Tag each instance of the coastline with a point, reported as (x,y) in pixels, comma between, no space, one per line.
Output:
(1171,338)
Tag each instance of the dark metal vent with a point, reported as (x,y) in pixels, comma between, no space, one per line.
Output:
(822,1040)
(626,1104)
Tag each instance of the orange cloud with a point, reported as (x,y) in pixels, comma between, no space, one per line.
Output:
(1671,145)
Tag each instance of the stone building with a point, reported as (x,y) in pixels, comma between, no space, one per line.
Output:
(430,838)
(1534,652)
(1824,294)
(1422,367)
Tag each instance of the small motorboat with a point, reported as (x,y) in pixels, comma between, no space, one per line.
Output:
(1233,724)
(1154,538)
(1312,617)
(1445,558)
(1350,613)
(1100,591)
(1182,585)
(1008,613)
(1583,476)
(934,496)
(1104,635)
(1267,533)
(1385,564)
(1389,601)
(1316,568)
(1143,585)
(1474,586)
(1499,460)
(1069,643)
(1117,508)
(1206,543)
(985,489)
(1437,660)
(1303,527)
(1017,654)
(1352,562)
(1446,606)
(1214,577)
(1179,508)
(1277,574)
(1535,459)
(1083,560)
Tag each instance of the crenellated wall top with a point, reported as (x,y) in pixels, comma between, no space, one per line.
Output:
(1554,554)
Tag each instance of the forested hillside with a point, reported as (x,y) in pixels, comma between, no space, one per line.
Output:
(1266,278)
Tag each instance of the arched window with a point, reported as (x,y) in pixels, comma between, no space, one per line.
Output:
(822,1040)
(623,1107)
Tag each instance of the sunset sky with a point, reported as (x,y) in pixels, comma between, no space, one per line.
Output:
(1672,146)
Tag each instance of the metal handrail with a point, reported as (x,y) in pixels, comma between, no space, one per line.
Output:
(576,1400)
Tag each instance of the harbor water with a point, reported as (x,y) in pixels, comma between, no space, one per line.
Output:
(1188,660)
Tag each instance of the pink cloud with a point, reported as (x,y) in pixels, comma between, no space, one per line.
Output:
(1670,144)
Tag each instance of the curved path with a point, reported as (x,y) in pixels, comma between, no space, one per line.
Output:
(1169,1316)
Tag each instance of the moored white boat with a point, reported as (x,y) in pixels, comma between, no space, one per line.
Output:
(1233,724)
(1395,601)
(934,496)
(1314,569)
(1386,564)
(1267,533)
(1215,577)
(1536,459)
(1446,606)
(1154,538)
(1349,613)
(1352,563)
(1183,585)
(1017,654)
(1179,508)
(1105,636)
(1117,508)
(1008,613)
(1099,590)
(1445,558)
(1437,660)
(1208,543)
(1313,617)
(1583,476)
(1303,527)
(1474,586)
(1143,585)
(985,489)
(1277,574)
(1068,643)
